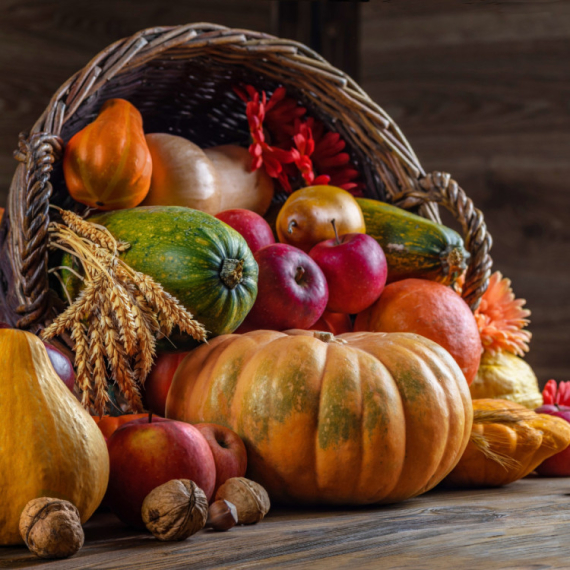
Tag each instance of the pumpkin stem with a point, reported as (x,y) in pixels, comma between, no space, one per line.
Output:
(333,222)
(231,273)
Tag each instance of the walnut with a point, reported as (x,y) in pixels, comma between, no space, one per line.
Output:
(250,498)
(51,528)
(222,515)
(176,510)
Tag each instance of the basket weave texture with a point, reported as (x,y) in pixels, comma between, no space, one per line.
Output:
(181,79)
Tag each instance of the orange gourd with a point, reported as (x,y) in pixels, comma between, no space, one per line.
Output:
(107,165)
(429,309)
(109,424)
(357,419)
(507,442)
(49,445)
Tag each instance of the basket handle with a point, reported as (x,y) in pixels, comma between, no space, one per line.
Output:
(28,210)
(440,188)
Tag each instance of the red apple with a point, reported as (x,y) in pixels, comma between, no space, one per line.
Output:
(144,455)
(61,364)
(292,291)
(228,450)
(254,229)
(355,268)
(336,323)
(559,464)
(159,379)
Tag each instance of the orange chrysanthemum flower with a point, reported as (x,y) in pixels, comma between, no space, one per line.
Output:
(501,318)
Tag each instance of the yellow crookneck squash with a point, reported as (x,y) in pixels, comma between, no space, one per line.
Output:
(49,445)
(360,418)
(507,442)
(107,165)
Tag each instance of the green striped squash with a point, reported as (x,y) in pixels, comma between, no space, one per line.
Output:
(414,247)
(197,258)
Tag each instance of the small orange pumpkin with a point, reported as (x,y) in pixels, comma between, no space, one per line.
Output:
(429,309)
(357,419)
(107,165)
(109,424)
(507,442)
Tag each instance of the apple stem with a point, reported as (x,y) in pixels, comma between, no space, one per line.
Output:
(333,222)
(150,417)
(291,225)
(299,274)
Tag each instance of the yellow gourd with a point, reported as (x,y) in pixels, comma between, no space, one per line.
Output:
(508,377)
(507,442)
(49,445)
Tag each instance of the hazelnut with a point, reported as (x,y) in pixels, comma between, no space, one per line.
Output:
(250,498)
(176,510)
(222,515)
(51,528)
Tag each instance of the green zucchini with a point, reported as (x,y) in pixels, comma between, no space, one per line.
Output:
(197,258)
(414,246)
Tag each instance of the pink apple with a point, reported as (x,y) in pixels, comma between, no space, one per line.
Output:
(292,291)
(61,364)
(355,268)
(159,379)
(559,464)
(230,455)
(144,455)
(254,229)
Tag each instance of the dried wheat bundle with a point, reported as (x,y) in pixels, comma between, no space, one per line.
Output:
(116,318)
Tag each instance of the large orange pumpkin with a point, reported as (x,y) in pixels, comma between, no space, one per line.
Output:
(107,165)
(356,419)
(429,309)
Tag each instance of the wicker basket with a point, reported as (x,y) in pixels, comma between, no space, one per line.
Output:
(181,80)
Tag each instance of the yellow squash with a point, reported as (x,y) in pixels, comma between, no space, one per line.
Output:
(49,445)
(507,442)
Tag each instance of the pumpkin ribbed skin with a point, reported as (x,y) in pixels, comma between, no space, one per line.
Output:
(357,419)
(49,445)
(107,165)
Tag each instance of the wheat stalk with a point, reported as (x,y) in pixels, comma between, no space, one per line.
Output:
(116,317)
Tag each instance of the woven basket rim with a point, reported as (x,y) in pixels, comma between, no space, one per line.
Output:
(373,133)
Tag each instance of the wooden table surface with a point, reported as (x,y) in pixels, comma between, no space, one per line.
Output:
(523,526)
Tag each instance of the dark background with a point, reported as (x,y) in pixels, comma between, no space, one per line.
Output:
(481,89)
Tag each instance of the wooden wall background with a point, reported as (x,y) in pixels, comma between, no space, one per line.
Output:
(480,88)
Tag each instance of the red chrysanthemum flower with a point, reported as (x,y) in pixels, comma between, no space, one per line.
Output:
(298,146)
(556,394)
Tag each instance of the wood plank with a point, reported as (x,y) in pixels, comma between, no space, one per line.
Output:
(481,91)
(523,525)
